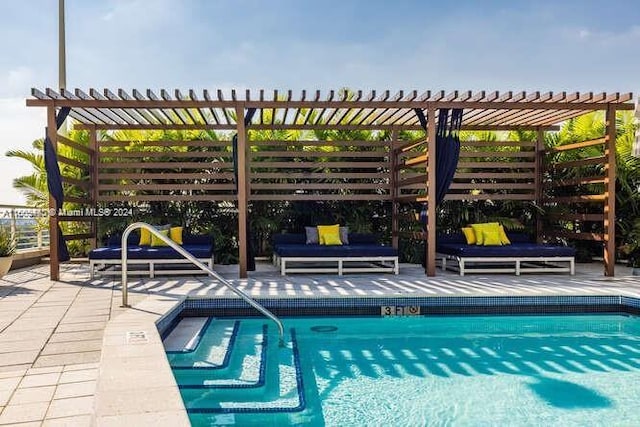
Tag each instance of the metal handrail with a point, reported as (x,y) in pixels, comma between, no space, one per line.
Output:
(195,261)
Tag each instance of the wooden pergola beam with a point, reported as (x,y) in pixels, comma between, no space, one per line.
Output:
(280,126)
(172,103)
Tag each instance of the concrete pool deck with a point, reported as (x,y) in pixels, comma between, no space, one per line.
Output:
(70,355)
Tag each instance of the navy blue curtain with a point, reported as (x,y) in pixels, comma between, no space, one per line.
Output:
(251,260)
(54,180)
(447,151)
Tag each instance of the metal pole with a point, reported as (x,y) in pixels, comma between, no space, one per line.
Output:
(14,226)
(62,55)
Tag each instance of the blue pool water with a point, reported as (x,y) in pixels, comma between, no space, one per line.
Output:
(460,371)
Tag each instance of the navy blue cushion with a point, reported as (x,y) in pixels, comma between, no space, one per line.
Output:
(293,244)
(288,239)
(197,245)
(519,237)
(459,238)
(296,238)
(363,238)
(148,252)
(304,250)
(132,240)
(451,238)
(513,250)
(197,240)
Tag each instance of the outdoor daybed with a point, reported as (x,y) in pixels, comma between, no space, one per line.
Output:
(362,254)
(521,256)
(169,261)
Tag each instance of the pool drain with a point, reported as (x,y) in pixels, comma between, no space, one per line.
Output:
(324,328)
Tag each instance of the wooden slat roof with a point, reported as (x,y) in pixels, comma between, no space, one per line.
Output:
(341,109)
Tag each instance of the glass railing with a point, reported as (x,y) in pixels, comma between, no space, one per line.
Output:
(28,226)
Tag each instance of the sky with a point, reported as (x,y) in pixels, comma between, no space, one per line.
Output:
(570,45)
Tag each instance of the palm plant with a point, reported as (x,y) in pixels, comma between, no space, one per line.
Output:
(34,185)
(7,243)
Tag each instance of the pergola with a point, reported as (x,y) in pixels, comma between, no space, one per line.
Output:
(393,170)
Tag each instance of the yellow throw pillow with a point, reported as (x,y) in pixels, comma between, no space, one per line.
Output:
(329,233)
(491,237)
(503,236)
(155,241)
(479,228)
(332,239)
(469,235)
(175,234)
(145,237)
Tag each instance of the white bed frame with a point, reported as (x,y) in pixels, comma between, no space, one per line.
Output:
(95,266)
(384,264)
(515,265)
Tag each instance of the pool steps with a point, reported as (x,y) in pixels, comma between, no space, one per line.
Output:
(186,338)
(244,370)
(212,350)
(259,377)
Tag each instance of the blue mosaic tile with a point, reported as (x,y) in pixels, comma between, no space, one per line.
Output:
(166,324)
(292,303)
(630,302)
(429,305)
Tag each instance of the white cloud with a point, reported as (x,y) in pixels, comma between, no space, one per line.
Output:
(16,81)
(618,39)
(141,13)
(20,127)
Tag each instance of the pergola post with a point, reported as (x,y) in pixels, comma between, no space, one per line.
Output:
(430,252)
(242,190)
(539,189)
(394,173)
(54,256)
(610,192)
(93,192)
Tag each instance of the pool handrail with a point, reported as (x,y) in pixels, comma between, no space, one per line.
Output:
(194,261)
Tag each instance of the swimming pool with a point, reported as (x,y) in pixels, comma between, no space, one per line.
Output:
(424,370)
